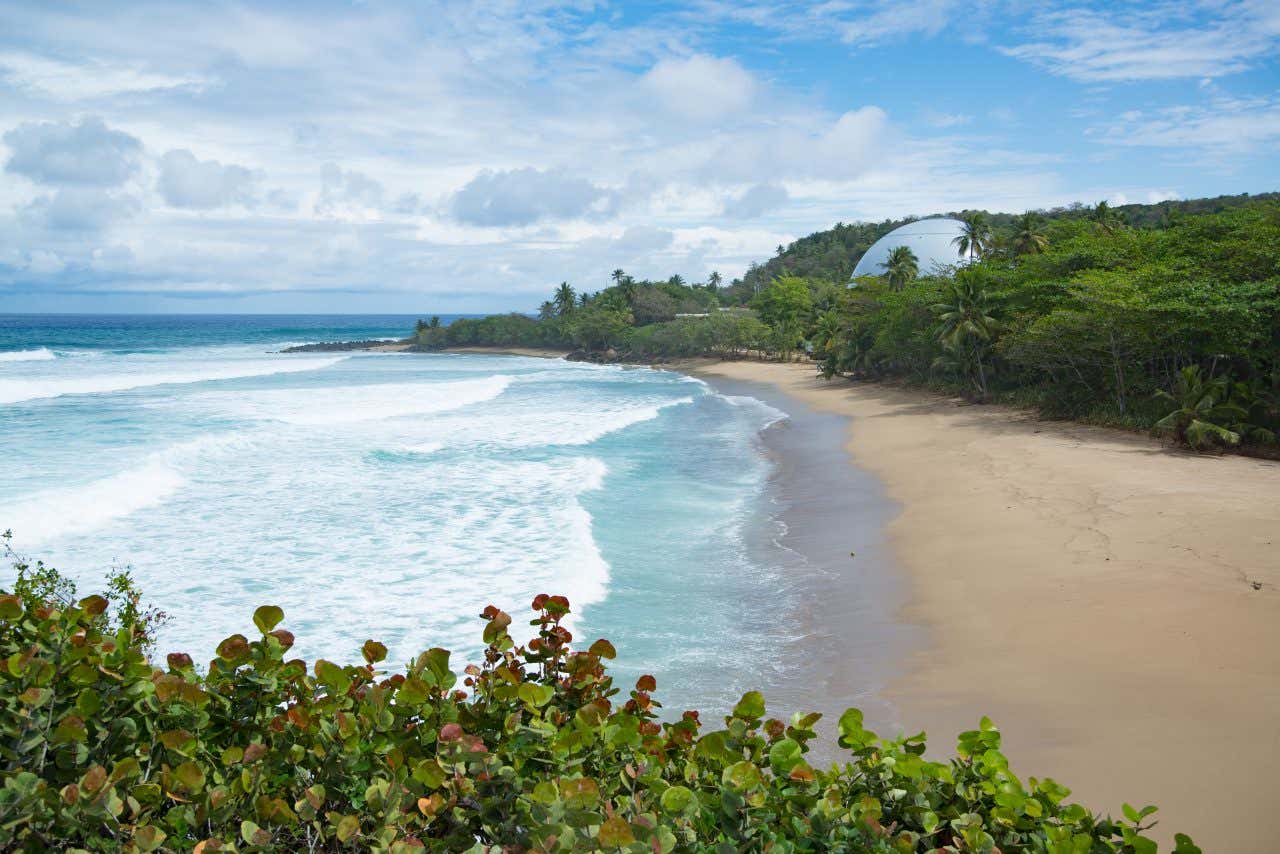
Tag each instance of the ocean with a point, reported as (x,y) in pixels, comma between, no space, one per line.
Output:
(392,496)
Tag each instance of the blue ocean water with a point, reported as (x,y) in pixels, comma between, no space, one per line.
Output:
(392,496)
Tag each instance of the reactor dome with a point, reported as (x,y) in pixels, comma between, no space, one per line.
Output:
(930,240)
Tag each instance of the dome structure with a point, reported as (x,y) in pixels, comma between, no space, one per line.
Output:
(930,240)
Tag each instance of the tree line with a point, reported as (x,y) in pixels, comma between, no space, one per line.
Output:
(1158,316)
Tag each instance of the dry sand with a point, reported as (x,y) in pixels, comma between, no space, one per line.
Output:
(1110,603)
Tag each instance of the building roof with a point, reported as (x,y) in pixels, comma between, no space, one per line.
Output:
(930,240)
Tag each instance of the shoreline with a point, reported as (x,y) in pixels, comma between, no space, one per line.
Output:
(826,532)
(1091,591)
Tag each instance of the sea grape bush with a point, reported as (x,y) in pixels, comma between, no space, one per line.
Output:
(534,748)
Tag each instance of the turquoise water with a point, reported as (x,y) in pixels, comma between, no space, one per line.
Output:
(393,496)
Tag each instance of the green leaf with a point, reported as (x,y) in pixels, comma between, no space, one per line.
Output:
(784,755)
(149,838)
(750,707)
(267,618)
(742,775)
(535,695)
(676,799)
(333,677)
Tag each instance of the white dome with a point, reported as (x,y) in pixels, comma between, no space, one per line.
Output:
(930,240)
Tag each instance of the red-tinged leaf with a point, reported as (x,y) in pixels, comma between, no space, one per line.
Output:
(603,649)
(373,651)
(646,683)
(451,732)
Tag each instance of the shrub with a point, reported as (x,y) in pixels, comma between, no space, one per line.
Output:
(534,748)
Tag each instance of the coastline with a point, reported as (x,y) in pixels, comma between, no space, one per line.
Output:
(1091,591)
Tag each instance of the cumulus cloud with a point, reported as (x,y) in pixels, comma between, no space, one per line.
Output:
(87,153)
(701,88)
(837,150)
(756,201)
(80,209)
(186,182)
(525,196)
(348,192)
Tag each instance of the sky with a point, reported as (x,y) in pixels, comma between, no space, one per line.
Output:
(466,157)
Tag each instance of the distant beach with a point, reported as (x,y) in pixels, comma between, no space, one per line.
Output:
(1111,604)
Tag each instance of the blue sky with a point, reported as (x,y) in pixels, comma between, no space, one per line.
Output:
(418,157)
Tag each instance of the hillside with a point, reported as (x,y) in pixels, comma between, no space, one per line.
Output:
(832,254)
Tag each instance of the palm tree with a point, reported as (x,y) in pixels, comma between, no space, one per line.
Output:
(584,299)
(1106,217)
(974,239)
(677,279)
(967,327)
(901,267)
(1028,234)
(714,280)
(1200,404)
(564,298)
(826,332)
(547,310)
(618,275)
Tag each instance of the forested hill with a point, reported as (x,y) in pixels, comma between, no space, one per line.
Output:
(832,254)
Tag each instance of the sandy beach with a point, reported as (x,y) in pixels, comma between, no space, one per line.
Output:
(1110,603)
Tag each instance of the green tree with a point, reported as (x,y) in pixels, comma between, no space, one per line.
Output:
(1028,234)
(564,299)
(547,310)
(1202,407)
(714,281)
(618,275)
(967,327)
(901,267)
(785,305)
(1106,217)
(974,239)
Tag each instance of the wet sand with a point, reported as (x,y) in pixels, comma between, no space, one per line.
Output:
(1112,604)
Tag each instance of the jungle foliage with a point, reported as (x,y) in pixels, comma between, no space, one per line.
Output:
(1174,328)
(534,748)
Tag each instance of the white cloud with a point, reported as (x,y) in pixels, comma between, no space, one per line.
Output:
(524,196)
(79,209)
(756,201)
(186,182)
(1155,42)
(701,88)
(65,81)
(1222,128)
(87,153)
(348,193)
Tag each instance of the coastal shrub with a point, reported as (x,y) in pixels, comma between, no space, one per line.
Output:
(532,748)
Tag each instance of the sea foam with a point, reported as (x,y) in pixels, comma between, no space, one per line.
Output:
(20,390)
(41,354)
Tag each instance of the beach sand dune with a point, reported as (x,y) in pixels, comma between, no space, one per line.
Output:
(1113,604)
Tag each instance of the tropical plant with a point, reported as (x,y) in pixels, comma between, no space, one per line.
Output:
(1202,408)
(533,748)
(967,327)
(785,305)
(901,267)
(547,310)
(1105,217)
(618,275)
(1028,234)
(975,237)
(714,280)
(565,299)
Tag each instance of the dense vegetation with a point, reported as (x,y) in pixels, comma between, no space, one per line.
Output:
(534,748)
(1176,328)
(1173,325)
